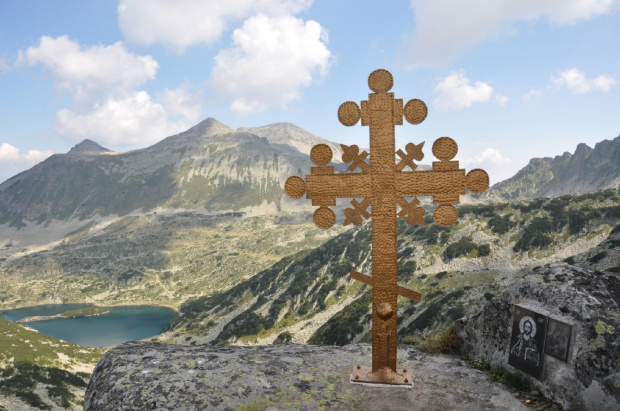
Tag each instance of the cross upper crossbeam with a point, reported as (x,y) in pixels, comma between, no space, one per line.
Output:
(445,186)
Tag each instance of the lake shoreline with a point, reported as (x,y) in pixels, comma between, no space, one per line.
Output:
(38,318)
(133,304)
(95,326)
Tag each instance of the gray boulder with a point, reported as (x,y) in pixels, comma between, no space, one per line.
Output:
(587,299)
(150,376)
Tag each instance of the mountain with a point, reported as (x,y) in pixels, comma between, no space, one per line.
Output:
(209,166)
(309,298)
(296,137)
(586,170)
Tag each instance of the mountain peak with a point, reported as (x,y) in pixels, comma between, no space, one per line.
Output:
(88,146)
(211,126)
(292,135)
(582,148)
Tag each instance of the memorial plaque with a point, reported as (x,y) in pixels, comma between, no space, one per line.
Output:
(529,330)
(558,338)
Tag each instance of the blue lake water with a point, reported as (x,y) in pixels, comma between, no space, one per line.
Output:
(121,324)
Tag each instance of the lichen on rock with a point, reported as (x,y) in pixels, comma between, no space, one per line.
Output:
(150,376)
(587,299)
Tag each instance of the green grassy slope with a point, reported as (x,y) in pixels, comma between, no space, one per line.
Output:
(40,370)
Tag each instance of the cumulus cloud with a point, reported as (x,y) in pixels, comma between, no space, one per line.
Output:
(98,66)
(442,34)
(36,156)
(270,60)
(182,23)
(455,92)
(487,156)
(13,162)
(180,102)
(107,107)
(132,120)
(577,82)
(10,153)
(531,94)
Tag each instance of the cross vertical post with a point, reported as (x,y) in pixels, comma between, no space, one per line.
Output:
(384,184)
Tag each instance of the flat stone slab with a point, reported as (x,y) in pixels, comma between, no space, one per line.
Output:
(153,376)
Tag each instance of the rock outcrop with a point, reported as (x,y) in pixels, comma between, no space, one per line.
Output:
(150,376)
(589,300)
(588,169)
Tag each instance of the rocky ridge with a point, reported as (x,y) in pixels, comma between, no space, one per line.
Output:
(210,166)
(586,170)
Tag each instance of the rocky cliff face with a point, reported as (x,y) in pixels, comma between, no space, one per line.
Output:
(603,257)
(149,376)
(588,169)
(587,299)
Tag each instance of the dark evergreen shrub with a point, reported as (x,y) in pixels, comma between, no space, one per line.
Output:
(284,338)
(484,250)
(598,257)
(500,225)
(462,247)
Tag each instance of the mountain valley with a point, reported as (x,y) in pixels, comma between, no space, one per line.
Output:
(199,222)
(309,297)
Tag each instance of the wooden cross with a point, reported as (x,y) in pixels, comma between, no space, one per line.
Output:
(383,185)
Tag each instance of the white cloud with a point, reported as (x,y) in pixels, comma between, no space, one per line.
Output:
(576,81)
(10,153)
(88,68)
(36,156)
(442,34)
(128,121)
(182,23)
(107,107)
(272,57)
(501,99)
(180,102)
(12,162)
(488,156)
(530,94)
(455,93)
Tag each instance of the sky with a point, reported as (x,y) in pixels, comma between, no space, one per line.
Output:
(507,80)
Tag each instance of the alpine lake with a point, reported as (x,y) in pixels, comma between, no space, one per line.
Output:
(91,326)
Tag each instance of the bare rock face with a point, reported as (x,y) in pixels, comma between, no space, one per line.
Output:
(150,376)
(589,300)
(588,169)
